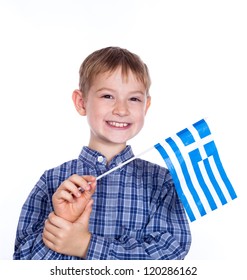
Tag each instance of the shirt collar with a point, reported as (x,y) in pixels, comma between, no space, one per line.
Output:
(92,157)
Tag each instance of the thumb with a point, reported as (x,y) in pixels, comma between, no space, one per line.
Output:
(85,216)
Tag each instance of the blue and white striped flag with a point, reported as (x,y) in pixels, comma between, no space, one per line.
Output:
(195,166)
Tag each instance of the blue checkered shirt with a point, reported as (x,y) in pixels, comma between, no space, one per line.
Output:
(136,212)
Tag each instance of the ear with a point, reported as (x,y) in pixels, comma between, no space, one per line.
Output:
(148,103)
(79,102)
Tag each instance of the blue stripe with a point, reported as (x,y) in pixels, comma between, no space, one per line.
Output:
(211,149)
(214,182)
(186,175)
(186,136)
(195,157)
(202,128)
(175,178)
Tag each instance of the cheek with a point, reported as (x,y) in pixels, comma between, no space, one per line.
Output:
(141,115)
(140,119)
(95,117)
(92,118)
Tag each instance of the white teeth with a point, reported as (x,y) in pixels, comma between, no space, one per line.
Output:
(117,124)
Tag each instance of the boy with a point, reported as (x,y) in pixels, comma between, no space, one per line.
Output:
(134,212)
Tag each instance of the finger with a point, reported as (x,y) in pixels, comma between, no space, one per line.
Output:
(49,242)
(56,222)
(89,178)
(64,195)
(82,182)
(85,216)
(46,240)
(71,186)
(49,227)
(92,183)
(89,207)
(49,234)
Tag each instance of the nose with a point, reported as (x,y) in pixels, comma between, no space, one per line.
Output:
(120,108)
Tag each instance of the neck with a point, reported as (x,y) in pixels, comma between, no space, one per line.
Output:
(106,149)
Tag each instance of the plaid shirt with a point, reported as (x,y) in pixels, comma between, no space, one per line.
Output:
(136,212)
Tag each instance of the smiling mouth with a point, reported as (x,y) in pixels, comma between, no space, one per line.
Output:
(118,124)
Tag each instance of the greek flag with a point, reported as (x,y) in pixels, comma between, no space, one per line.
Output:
(195,166)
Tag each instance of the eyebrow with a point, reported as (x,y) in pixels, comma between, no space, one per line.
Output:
(112,90)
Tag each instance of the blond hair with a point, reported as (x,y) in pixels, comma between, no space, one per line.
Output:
(108,60)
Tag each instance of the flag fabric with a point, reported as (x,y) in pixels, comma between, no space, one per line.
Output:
(197,171)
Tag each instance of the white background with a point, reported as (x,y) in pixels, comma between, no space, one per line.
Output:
(196,53)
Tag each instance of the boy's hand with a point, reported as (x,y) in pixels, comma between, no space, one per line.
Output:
(68,238)
(68,201)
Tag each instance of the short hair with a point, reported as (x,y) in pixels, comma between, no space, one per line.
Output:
(108,60)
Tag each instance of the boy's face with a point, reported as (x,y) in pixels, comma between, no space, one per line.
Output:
(115,108)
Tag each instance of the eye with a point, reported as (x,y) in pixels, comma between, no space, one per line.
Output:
(107,96)
(135,99)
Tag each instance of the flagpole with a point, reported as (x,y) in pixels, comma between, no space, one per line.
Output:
(123,163)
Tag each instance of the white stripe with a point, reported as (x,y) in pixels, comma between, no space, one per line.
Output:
(183,184)
(209,183)
(184,152)
(219,179)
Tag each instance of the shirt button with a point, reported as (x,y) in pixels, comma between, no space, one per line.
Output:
(100,159)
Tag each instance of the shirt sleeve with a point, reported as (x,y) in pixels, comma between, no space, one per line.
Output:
(28,243)
(166,236)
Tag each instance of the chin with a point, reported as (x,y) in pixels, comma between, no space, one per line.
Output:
(117,142)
